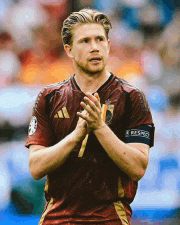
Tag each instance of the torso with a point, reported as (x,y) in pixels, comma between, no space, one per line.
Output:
(94,179)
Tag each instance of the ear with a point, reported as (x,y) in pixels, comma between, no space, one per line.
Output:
(109,44)
(67,49)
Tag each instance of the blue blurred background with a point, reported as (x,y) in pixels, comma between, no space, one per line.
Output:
(145,50)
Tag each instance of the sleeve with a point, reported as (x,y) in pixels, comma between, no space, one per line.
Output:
(140,127)
(40,129)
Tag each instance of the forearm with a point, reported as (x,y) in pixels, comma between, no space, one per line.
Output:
(45,160)
(129,159)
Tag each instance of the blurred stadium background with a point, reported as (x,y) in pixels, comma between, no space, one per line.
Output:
(145,50)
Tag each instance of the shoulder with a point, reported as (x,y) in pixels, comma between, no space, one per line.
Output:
(65,84)
(134,94)
(53,88)
(49,91)
(126,86)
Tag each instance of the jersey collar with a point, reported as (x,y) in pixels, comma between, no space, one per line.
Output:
(75,86)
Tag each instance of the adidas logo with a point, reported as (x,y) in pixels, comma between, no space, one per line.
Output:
(63,113)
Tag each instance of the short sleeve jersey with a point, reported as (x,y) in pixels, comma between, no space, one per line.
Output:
(94,178)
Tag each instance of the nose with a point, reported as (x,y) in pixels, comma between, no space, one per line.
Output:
(94,47)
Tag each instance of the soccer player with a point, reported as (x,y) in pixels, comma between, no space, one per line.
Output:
(90,134)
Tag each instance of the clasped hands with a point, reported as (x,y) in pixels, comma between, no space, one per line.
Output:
(90,117)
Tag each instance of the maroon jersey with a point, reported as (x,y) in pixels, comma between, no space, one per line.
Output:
(89,189)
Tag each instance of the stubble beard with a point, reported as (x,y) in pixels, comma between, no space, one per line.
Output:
(86,69)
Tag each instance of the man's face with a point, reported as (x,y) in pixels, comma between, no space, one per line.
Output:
(90,48)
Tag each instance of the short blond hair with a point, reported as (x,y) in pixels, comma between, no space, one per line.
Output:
(82,17)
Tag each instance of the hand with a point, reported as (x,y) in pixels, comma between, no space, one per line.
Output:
(81,127)
(92,107)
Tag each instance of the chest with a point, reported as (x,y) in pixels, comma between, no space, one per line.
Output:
(64,107)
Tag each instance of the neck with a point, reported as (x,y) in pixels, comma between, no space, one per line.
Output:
(91,83)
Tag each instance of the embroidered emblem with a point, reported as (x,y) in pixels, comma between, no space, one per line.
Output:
(109,113)
(63,113)
(33,125)
(109,110)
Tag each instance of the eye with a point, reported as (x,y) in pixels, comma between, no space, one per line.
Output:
(100,39)
(86,40)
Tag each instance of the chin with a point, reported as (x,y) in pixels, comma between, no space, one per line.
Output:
(91,70)
(95,70)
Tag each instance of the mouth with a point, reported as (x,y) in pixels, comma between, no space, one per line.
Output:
(95,59)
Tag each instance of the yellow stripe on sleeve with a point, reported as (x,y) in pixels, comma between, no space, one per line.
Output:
(121,212)
(46,211)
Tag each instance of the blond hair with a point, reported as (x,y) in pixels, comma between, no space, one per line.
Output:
(82,17)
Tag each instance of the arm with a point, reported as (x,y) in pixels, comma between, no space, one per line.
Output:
(44,160)
(131,158)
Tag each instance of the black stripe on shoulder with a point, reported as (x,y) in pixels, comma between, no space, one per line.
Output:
(128,107)
(128,103)
(125,83)
(50,95)
(57,86)
(47,99)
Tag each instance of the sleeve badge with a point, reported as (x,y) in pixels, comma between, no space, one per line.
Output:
(32,126)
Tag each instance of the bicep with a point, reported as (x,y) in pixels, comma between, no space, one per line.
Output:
(35,148)
(144,148)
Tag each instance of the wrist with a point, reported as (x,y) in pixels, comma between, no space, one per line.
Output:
(77,136)
(100,127)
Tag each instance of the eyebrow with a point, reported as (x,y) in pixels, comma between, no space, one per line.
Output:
(101,36)
(87,38)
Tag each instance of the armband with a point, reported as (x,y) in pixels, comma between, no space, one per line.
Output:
(142,134)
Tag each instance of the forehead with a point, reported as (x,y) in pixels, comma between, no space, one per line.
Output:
(88,30)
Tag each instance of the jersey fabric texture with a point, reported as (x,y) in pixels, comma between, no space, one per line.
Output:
(90,189)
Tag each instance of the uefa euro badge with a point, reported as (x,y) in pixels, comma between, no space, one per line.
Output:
(33,125)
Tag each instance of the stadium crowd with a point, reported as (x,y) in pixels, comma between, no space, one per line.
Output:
(145,50)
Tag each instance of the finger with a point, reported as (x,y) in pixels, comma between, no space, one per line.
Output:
(90,103)
(84,112)
(97,96)
(82,115)
(90,96)
(90,113)
(93,99)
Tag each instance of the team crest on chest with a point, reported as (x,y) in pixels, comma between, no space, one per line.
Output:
(63,113)
(33,125)
(107,112)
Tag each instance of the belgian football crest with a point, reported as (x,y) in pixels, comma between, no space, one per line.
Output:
(108,112)
(33,125)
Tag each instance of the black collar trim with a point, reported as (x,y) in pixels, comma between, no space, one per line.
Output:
(75,86)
